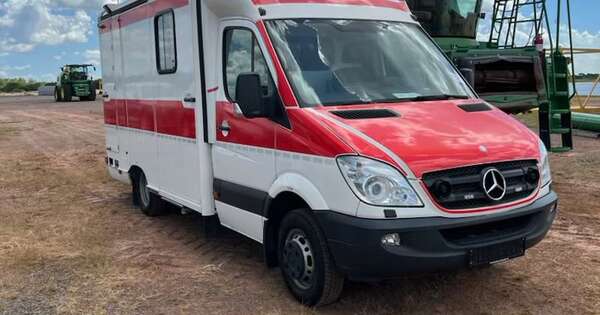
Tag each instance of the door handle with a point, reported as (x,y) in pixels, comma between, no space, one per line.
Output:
(225,128)
(189,99)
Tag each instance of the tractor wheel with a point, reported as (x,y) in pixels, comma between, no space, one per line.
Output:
(92,96)
(57,95)
(67,93)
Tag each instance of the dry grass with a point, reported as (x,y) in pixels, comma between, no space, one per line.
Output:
(71,243)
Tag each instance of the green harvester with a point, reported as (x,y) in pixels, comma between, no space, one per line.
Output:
(512,68)
(75,81)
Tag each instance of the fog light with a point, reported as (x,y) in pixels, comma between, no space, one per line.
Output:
(391,239)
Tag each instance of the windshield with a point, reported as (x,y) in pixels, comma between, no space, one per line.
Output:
(77,72)
(342,62)
(447,18)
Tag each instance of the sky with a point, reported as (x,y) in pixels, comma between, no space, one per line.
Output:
(38,36)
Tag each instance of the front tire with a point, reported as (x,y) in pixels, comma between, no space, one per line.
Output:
(305,261)
(150,203)
(67,93)
(57,95)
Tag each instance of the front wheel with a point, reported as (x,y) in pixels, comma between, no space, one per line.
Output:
(57,95)
(66,93)
(305,261)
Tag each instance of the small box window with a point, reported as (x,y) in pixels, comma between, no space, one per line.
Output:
(166,47)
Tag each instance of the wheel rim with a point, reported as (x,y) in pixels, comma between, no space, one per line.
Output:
(298,259)
(144,192)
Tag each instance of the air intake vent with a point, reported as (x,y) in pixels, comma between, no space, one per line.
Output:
(365,113)
(480,107)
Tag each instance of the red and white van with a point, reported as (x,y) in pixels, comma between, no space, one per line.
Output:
(333,132)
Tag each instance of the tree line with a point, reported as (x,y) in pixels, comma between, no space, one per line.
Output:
(19,85)
(586,76)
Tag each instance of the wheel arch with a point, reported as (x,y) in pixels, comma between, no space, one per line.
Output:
(289,192)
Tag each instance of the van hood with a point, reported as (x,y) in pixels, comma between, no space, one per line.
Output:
(437,135)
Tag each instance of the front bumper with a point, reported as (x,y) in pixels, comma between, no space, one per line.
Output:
(428,244)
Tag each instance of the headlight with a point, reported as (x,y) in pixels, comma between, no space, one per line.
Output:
(377,183)
(545,161)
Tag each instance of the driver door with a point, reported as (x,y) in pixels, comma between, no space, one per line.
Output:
(243,154)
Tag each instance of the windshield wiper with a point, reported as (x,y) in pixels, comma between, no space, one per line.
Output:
(421,98)
(439,97)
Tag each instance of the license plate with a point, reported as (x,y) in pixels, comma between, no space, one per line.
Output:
(496,253)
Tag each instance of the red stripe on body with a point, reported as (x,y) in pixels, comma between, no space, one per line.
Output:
(174,119)
(140,13)
(394,4)
(140,115)
(121,106)
(165,117)
(110,113)
(307,136)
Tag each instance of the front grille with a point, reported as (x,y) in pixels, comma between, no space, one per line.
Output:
(462,188)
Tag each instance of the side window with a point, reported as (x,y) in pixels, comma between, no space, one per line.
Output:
(166,48)
(242,55)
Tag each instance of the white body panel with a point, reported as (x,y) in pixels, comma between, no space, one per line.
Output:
(182,168)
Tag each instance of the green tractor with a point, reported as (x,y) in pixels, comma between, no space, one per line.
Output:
(75,81)
(519,65)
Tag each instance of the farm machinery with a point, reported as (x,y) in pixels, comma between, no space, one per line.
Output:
(75,81)
(519,65)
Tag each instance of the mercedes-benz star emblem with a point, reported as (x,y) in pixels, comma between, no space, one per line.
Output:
(494,184)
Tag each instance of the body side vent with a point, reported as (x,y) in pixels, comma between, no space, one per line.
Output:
(479,107)
(365,113)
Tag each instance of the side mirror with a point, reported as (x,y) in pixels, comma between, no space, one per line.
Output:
(249,97)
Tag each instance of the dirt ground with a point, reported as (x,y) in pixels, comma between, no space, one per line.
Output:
(71,242)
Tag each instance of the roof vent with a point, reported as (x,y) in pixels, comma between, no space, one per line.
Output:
(479,107)
(365,113)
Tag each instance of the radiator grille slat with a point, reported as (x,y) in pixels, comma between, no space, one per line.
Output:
(466,188)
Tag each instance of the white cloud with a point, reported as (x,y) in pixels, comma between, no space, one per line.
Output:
(10,45)
(13,71)
(15,68)
(21,68)
(83,4)
(92,56)
(25,24)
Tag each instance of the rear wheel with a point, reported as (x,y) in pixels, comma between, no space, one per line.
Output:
(150,203)
(305,261)
(67,93)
